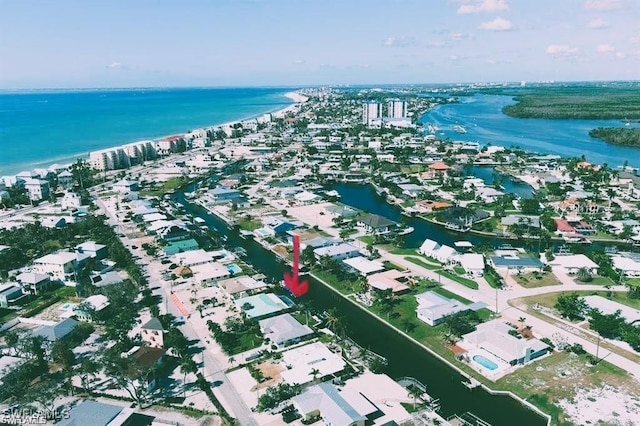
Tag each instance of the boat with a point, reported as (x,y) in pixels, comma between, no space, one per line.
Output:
(406,231)
(246,234)
(456,227)
(458,128)
(333,194)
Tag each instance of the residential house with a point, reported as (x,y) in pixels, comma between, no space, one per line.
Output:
(222,195)
(513,263)
(65,179)
(152,333)
(56,331)
(302,360)
(96,414)
(10,294)
(333,406)
(442,253)
(93,249)
(472,263)
(433,307)
(93,308)
(284,329)
(125,186)
(194,257)
(207,274)
(33,282)
(572,263)
(150,358)
(37,189)
(61,266)
(494,337)
(376,224)
(261,305)
(363,266)
(392,279)
(339,251)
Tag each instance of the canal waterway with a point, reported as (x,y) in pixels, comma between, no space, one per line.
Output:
(482,119)
(404,357)
(509,184)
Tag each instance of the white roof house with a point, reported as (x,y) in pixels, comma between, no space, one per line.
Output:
(428,247)
(571,264)
(283,328)
(336,407)
(472,263)
(303,359)
(210,272)
(388,280)
(60,265)
(494,337)
(339,251)
(628,263)
(445,254)
(193,258)
(363,265)
(433,307)
(609,307)
(152,217)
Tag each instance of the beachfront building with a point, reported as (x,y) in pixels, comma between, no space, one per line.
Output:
(396,108)
(139,152)
(371,111)
(37,189)
(109,159)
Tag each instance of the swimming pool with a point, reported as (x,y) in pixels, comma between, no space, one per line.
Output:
(234,269)
(486,363)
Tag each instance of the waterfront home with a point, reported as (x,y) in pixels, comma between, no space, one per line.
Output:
(92,308)
(433,307)
(494,337)
(242,286)
(261,305)
(512,262)
(411,190)
(363,266)
(62,266)
(33,282)
(193,258)
(431,206)
(223,195)
(572,263)
(310,238)
(376,224)
(392,279)
(472,263)
(207,274)
(333,406)
(442,253)
(65,179)
(301,361)
(627,263)
(152,333)
(436,169)
(180,246)
(338,252)
(284,329)
(521,220)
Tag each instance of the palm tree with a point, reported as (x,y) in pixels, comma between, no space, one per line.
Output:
(314,373)
(522,320)
(187,366)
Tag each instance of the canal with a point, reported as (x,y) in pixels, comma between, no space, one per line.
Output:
(404,357)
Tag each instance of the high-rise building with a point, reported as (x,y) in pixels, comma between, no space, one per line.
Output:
(396,108)
(371,111)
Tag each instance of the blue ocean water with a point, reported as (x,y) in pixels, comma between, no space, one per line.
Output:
(40,128)
(482,118)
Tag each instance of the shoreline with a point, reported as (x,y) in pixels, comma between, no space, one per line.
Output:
(66,161)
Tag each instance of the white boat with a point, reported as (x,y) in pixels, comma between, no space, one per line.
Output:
(333,193)
(406,231)
(459,129)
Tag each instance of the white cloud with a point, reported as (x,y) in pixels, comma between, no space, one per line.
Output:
(436,43)
(453,58)
(115,65)
(498,24)
(298,61)
(561,49)
(457,36)
(603,4)
(634,39)
(399,41)
(479,6)
(598,23)
(605,48)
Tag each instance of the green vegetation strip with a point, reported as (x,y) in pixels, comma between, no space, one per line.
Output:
(617,136)
(460,280)
(420,262)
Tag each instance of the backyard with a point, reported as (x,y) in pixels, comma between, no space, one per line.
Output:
(536,279)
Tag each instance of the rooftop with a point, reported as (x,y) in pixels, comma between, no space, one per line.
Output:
(283,328)
(303,359)
(261,304)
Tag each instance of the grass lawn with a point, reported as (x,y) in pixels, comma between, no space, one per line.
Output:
(536,279)
(367,239)
(446,293)
(459,270)
(460,280)
(344,287)
(418,261)
(169,185)
(248,224)
(597,281)
(390,265)
(493,279)
(404,251)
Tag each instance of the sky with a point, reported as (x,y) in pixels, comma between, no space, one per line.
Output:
(148,43)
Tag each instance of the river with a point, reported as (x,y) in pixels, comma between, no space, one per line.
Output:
(482,118)
(404,357)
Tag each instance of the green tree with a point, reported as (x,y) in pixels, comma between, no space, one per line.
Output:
(571,306)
